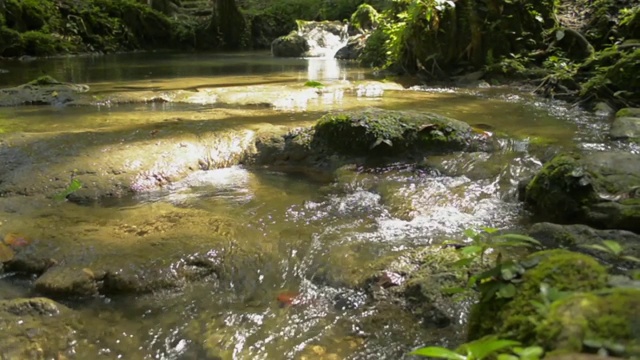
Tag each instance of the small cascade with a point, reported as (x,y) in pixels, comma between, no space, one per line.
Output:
(324,38)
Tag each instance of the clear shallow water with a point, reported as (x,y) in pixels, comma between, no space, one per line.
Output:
(275,232)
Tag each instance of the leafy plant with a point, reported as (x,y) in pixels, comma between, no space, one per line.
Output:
(612,248)
(482,241)
(482,349)
(500,280)
(74,186)
(548,295)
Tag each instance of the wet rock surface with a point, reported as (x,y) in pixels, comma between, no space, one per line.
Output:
(32,329)
(292,45)
(575,237)
(42,91)
(597,189)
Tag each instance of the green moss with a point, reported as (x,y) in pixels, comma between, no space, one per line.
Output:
(375,131)
(45,80)
(628,112)
(365,17)
(608,318)
(558,189)
(516,318)
(41,44)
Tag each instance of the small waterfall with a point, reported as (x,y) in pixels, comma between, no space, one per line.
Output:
(325,38)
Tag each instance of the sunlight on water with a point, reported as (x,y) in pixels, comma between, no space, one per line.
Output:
(220,261)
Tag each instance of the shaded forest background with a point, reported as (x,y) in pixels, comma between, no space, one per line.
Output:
(572,49)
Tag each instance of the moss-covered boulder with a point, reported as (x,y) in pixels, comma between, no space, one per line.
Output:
(575,237)
(292,45)
(44,90)
(598,189)
(516,317)
(590,321)
(388,132)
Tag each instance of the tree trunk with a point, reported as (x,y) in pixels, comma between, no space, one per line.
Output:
(228,24)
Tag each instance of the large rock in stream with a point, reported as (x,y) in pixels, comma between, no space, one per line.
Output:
(599,189)
(626,125)
(42,91)
(369,134)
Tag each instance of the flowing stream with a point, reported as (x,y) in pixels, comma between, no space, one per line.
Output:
(275,231)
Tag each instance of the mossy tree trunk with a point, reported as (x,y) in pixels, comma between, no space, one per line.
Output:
(228,25)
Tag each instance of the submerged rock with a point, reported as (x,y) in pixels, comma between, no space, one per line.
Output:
(42,91)
(32,329)
(599,189)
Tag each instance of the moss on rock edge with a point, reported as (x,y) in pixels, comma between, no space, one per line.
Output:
(516,318)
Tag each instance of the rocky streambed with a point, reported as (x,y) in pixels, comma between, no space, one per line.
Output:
(183,219)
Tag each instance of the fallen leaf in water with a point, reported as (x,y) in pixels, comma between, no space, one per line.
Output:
(88,272)
(16,240)
(6,253)
(288,298)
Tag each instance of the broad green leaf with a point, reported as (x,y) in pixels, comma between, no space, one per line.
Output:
(507,291)
(631,258)
(470,233)
(471,249)
(438,352)
(507,357)
(559,35)
(507,273)
(480,349)
(613,246)
(519,237)
(462,262)
(314,84)
(596,247)
(529,353)
(489,230)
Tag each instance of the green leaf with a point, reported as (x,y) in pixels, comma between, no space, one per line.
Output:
(471,250)
(507,273)
(596,247)
(453,290)
(470,233)
(480,349)
(613,246)
(314,84)
(529,353)
(631,258)
(506,291)
(489,230)
(74,186)
(522,238)
(438,352)
(462,262)
(507,357)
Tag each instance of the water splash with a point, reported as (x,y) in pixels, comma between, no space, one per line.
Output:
(325,38)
